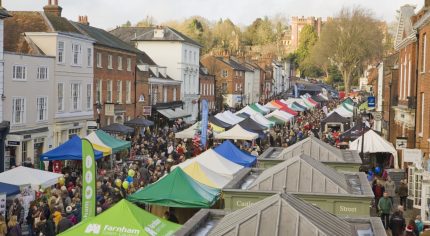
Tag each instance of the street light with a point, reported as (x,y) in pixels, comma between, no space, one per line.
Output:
(99,108)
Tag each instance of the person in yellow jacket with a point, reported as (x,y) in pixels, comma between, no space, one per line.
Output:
(56,216)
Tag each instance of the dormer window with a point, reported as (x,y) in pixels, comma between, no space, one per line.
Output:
(158,33)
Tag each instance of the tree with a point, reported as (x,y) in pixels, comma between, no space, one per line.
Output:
(126,24)
(148,21)
(353,38)
(308,38)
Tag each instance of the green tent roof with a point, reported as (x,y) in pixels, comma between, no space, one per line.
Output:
(177,189)
(276,120)
(124,218)
(116,144)
(255,108)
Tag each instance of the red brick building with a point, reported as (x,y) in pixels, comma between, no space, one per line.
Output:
(114,75)
(207,87)
(422,25)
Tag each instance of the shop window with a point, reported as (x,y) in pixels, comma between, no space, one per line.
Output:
(72,132)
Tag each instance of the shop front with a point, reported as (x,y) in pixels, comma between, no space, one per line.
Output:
(25,147)
(64,131)
(341,160)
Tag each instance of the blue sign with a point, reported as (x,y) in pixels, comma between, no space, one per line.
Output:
(205,111)
(371,101)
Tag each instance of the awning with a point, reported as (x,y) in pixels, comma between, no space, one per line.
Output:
(9,189)
(112,142)
(218,122)
(70,150)
(98,144)
(173,114)
(229,151)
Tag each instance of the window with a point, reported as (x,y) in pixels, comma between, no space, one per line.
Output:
(89,57)
(185,55)
(60,96)
(190,56)
(119,63)
(99,91)
(174,94)
(422,114)
(118,91)
(128,91)
(236,87)
(424,53)
(60,53)
(109,91)
(18,109)
(195,57)
(201,89)
(224,73)
(19,72)
(213,91)
(75,91)
(42,108)
(77,54)
(42,72)
(109,61)
(24,151)
(237,73)
(128,64)
(99,60)
(165,94)
(73,132)
(89,96)
(224,87)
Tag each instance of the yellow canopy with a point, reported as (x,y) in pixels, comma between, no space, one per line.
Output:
(98,144)
(216,128)
(205,175)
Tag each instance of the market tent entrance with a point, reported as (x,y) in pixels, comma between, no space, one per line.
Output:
(110,141)
(139,122)
(23,176)
(229,151)
(116,128)
(9,189)
(124,218)
(373,143)
(177,189)
(70,150)
(237,132)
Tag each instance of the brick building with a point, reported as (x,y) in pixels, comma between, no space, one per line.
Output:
(297,24)
(207,87)
(230,76)
(422,25)
(114,75)
(403,100)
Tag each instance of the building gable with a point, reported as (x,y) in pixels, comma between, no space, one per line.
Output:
(405,32)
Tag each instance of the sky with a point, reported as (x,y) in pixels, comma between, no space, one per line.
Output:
(108,14)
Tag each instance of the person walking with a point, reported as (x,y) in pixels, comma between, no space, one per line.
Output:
(397,223)
(402,191)
(390,188)
(384,206)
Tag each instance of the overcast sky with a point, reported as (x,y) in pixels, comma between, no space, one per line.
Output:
(111,13)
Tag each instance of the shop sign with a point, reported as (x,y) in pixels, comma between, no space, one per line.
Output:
(13,143)
(27,136)
(401,142)
(147,110)
(109,110)
(242,204)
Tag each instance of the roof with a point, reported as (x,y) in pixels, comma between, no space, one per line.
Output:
(4,13)
(130,34)
(17,25)
(233,63)
(404,24)
(335,117)
(60,24)
(293,174)
(281,214)
(104,38)
(320,151)
(143,58)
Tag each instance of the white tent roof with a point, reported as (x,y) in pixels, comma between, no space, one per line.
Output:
(23,176)
(342,111)
(281,115)
(259,118)
(189,132)
(214,162)
(232,116)
(248,110)
(237,133)
(298,100)
(206,176)
(224,118)
(374,143)
(263,108)
(270,106)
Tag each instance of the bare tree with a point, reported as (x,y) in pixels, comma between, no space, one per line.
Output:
(349,40)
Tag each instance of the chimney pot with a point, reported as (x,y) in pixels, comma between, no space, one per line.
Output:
(49,2)
(53,9)
(56,2)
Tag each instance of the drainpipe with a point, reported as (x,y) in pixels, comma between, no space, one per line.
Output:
(416,90)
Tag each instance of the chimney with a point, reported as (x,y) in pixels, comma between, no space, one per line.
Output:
(84,20)
(53,8)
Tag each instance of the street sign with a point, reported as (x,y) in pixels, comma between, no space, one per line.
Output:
(147,110)
(371,102)
(401,142)
(377,116)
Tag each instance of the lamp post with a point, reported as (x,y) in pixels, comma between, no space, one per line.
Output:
(99,108)
(390,85)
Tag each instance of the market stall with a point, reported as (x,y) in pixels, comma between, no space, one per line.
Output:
(229,151)
(206,176)
(190,132)
(116,128)
(342,160)
(286,117)
(70,150)
(9,189)
(21,176)
(139,122)
(334,121)
(117,145)
(237,133)
(260,119)
(123,218)
(261,107)
(346,194)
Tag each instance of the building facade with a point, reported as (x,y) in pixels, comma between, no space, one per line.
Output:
(207,87)
(4,125)
(297,24)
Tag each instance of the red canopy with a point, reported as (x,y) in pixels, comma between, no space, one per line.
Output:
(286,108)
(312,101)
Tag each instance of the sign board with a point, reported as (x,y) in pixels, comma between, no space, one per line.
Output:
(13,143)
(147,110)
(377,116)
(401,142)
(371,102)
(89,180)
(109,110)
(413,155)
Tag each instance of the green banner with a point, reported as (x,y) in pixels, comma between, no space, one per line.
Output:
(88,180)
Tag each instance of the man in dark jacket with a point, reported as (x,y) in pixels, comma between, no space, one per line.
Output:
(64,224)
(397,223)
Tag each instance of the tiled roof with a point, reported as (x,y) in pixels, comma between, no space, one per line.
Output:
(17,25)
(233,63)
(282,214)
(104,38)
(126,34)
(4,13)
(143,58)
(60,24)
